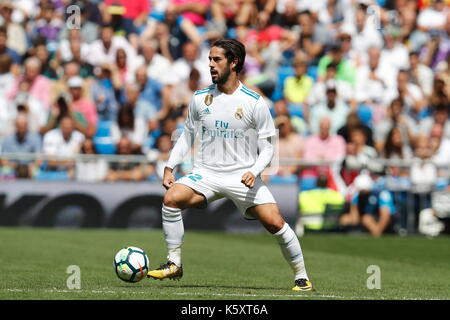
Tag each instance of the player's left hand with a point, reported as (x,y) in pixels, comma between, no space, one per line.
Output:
(248,179)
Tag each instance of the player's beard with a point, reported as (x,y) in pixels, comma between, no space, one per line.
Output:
(222,78)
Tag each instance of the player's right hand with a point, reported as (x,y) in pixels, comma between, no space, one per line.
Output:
(168,178)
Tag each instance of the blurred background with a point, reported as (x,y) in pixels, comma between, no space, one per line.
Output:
(91,92)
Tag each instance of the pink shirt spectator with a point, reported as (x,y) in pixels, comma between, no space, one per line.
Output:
(330,149)
(40,90)
(133,8)
(87,108)
(195,18)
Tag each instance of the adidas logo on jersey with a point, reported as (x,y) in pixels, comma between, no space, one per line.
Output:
(206,111)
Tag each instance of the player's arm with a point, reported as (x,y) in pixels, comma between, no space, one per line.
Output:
(263,160)
(263,123)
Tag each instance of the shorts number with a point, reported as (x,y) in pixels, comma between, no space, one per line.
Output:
(194,176)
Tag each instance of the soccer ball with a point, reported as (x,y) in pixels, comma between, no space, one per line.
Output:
(131,264)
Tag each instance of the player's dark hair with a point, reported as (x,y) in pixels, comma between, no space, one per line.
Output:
(233,50)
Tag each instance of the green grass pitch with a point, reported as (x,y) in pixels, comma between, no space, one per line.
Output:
(221,266)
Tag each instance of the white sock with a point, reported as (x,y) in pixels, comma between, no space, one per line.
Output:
(173,228)
(292,252)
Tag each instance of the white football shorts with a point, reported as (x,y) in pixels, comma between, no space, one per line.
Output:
(215,186)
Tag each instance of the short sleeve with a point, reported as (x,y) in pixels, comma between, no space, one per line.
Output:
(263,122)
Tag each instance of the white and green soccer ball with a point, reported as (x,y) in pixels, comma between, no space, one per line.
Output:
(131,264)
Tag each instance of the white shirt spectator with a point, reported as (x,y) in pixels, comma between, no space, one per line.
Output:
(98,55)
(91,171)
(66,53)
(396,58)
(55,145)
(375,90)
(318,92)
(159,68)
(442,156)
(363,40)
(137,136)
(181,69)
(431,18)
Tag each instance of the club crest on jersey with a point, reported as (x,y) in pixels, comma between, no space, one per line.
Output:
(239,113)
(208,99)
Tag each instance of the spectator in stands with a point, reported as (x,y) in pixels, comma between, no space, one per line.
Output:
(129,126)
(150,91)
(158,67)
(423,173)
(75,50)
(104,49)
(59,110)
(441,117)
(48,26)
(297,88)
(193,10)
(193,57)
(394,54)
(396,117)
(180,97)
(363,30)
(172,31)
(4,49)
(420,74)
(125,170)
(133,16)
(373,81)
(160,155)
(324,146)
(49,67)
(83,105)
(371,206)
(353,121)
(290,144)
(231,12)
(345,70)
(60,87)
(90,170)
(6,77)
(312,39)
(104,92)
(40,86)
(318,93)
(15,32)
(358,156)
(333,108)
(440,94)
(411,94)
(22,141)
(395,147)
(64,141)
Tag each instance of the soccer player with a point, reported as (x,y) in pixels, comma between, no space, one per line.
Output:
(223,116)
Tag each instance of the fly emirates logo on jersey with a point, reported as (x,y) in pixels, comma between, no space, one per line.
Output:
(222,131)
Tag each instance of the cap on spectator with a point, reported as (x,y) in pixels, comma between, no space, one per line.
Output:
(75,82)
(363,182)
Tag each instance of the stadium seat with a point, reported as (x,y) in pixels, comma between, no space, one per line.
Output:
(308,183)
(365,114)
(284,179)
(42,175)
(312,72)
(283,73)
(104,145)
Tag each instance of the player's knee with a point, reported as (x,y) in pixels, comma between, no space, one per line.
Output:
(275,224)
(172,199)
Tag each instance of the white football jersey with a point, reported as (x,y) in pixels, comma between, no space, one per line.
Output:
(227,128)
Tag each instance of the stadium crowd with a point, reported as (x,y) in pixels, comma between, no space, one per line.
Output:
(347,81)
